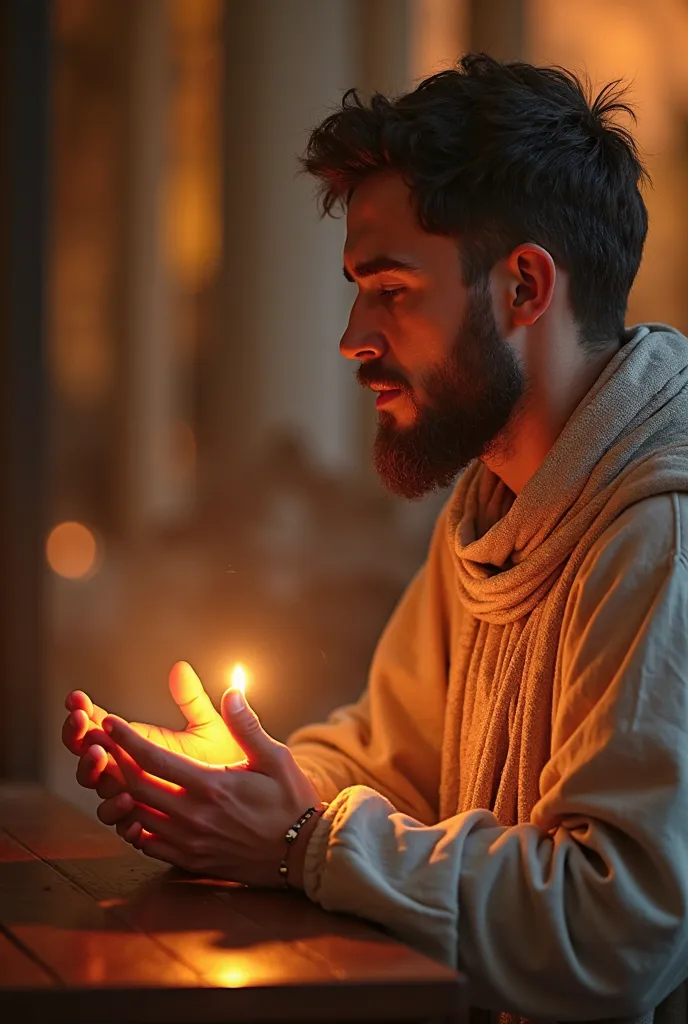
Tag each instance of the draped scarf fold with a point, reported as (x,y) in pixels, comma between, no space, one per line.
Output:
(516,559)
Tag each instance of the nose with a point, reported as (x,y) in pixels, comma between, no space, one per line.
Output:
(361,340)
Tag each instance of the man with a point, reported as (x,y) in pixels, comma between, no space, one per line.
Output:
(510,794)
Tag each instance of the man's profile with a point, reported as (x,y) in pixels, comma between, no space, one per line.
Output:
(510,793)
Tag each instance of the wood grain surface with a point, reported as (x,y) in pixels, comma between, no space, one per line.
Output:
(90,929)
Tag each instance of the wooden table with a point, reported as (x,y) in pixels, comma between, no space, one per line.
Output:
(91,930)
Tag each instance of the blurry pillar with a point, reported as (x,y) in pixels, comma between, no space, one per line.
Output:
(497,27)
(386,42)
(439,35)
(285,299)
(152,493)
(24,41)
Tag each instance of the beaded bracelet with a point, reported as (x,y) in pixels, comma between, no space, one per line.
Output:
(291,836)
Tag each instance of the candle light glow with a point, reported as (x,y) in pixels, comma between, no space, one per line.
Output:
(237,677)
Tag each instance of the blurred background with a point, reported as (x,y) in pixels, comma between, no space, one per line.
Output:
(185,456)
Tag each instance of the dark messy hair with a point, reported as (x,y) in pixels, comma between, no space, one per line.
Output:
(498,154)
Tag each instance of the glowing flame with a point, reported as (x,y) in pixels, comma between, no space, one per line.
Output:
(237,677)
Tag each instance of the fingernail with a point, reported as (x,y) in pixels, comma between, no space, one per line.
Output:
(235,699)
(108,726)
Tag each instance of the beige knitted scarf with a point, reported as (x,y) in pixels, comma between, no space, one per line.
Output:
(517,558)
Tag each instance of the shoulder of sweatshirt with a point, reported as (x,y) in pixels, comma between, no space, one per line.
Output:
(648,540)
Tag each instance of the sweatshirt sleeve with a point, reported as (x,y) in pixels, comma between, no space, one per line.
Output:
(390,740)
(580,913)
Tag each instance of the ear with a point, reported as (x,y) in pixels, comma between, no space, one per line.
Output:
(531,275)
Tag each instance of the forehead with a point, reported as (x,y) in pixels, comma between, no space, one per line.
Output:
(380,217)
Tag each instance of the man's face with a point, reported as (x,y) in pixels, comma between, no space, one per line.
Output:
(450,382)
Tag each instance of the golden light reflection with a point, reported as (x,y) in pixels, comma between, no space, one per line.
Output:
(233,977)
(71,550)
(238,677)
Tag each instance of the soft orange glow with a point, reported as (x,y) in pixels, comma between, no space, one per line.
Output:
(234,977)
(238,677)
(71,550)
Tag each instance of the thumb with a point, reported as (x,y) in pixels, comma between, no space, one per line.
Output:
(245,727)
(188,693)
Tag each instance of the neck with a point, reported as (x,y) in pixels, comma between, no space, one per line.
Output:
(556,387)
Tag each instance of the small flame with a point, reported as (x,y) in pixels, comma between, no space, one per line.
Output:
(237,677)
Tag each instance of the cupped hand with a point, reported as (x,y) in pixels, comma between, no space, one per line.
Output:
(205,738)
(227,822)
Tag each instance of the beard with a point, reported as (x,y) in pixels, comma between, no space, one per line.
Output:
(471,398)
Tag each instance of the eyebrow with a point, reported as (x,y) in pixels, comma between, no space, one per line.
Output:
(378,265)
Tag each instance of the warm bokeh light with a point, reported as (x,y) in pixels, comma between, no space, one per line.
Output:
(71,550)
(238,677)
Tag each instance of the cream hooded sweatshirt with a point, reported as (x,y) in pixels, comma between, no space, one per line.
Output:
(510,793)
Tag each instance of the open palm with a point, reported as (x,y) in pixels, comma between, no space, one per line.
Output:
(206,737)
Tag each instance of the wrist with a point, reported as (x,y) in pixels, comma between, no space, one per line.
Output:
(297,853)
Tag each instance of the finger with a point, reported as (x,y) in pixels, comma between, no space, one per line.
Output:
(77,700)
(146,788)
(165,764)
(98,714)
(131,833)
(188,693)
(79,733)
(114,810)
(103,775)
(160,849)
(161,825)
(128,826)
(74,729)
(111,782)
(91,766)
(245,727)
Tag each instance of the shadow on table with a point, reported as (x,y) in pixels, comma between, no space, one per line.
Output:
(237,935)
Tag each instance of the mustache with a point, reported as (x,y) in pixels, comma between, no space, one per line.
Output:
(371,373)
